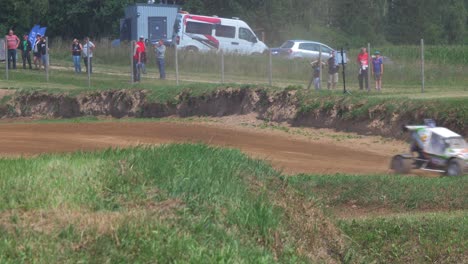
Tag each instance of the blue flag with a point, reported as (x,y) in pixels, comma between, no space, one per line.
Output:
(42,31)
(33,33)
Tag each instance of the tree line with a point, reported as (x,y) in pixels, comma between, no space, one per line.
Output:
(342,22)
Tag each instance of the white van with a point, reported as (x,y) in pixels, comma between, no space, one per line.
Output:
(204,33)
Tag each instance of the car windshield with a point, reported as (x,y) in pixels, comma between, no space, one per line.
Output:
(287,45)
(456,142)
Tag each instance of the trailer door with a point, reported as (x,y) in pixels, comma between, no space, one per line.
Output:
(157,28)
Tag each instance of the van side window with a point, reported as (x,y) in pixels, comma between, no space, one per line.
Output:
(246,34)
(198,28)
(225,31)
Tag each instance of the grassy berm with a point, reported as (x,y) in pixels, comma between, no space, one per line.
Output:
(198,204)
(175,203)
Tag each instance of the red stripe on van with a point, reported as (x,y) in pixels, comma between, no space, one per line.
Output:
(213,40)
(212,20)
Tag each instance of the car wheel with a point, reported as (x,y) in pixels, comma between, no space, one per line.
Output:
(192,49)
(454,168)
(401,164)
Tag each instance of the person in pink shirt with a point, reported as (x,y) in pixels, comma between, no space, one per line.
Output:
(12,44)
(363,63)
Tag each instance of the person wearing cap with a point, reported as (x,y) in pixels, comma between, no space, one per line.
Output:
(377,70)
(137,62)
(160,50)
(37,51)
(333,69)
(142,45)
(25,46)
(12,42)
(87,52)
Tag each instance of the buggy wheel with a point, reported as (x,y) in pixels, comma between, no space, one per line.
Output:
(454,168)
(401,164)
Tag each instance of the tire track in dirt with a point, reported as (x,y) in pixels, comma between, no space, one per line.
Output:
(290,154)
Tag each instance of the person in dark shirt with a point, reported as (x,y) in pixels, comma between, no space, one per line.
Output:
(25,46)
(44,52)
(377,70)
(37,51)
(76,54)
(333,68)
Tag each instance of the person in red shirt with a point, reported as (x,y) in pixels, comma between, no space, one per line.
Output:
(137,61)
(12,44)
(141,43)
(363,63)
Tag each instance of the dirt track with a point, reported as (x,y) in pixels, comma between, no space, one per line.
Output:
(292,154)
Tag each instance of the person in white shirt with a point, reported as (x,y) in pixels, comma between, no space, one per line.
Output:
(87,52)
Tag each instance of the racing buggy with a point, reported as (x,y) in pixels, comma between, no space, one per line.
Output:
(433,149)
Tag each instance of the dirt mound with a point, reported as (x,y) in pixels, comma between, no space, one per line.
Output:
(284,106)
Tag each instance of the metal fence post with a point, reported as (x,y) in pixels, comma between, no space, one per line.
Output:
(176,64)
(132,73)
(88,67)
(222,66)
(422,66)
(6,57)
(47,63)
(270,68)
(369,65)
(320,67)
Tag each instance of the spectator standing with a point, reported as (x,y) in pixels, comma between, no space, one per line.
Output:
(363,62)
(333,69)
(142,45)
(37,51)
(25,46)
(76,54)
(137,61)
(160,50)
(87,52)
(44,52)
(377,70)
(12,45)
(315,74)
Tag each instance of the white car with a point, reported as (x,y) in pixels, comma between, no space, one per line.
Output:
(302,49)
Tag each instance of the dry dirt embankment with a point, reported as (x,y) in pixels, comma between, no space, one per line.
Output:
(367,116)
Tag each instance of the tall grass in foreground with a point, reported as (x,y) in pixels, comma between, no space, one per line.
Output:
(199,204)
(179,203)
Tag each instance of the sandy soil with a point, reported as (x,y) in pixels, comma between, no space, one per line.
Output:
(293,153)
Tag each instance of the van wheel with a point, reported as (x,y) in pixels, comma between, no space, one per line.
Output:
(192,49)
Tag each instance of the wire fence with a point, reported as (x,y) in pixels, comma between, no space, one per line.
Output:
(406,68)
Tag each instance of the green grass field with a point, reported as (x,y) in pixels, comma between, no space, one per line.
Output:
(193,203)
